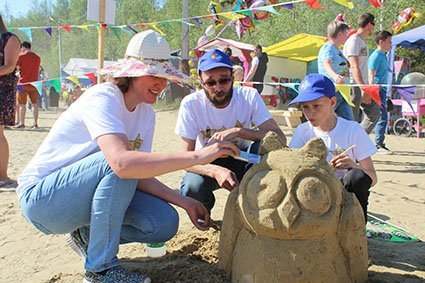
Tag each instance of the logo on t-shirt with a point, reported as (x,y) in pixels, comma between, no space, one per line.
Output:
(136,144)
(209,132)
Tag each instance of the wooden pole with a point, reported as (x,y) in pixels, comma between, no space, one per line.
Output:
(101,38)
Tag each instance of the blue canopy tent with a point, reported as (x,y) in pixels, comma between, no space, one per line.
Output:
(413,39)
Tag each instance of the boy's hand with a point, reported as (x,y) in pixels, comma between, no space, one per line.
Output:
(342,161)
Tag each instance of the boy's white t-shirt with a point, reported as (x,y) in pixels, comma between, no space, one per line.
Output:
(356,46)
(100,110)
(345,134)
(199,119)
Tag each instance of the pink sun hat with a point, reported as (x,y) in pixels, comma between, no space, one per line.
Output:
(147,54)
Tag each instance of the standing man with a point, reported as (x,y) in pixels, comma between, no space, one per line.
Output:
(221,112)
(355,50)
(258,68)
(28,67)
(378,74)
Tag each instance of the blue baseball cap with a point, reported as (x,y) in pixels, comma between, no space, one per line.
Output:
(314,86)
(214,59)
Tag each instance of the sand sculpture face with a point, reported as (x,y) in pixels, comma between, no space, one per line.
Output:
(292,221)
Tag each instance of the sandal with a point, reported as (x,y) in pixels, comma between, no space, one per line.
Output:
(6,183)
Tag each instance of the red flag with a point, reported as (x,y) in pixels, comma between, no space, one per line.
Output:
(373,92)
(92,77)
(248,84)
(104,26)
(376,3)
(314,4)
(67,28)
(142,26)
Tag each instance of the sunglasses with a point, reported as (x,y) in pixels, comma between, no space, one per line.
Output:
(372,23)
(213,83)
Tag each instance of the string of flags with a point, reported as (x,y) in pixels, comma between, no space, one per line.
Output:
(131,29)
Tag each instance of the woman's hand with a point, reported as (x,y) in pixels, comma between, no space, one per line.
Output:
(342,161)
(216,150)
(198,214)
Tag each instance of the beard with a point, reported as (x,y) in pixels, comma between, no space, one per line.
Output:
(220,99)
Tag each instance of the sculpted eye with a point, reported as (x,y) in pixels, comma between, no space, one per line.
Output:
(313,194)
(266,189)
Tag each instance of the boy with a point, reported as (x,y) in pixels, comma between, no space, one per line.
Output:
(378,74)
(354,167)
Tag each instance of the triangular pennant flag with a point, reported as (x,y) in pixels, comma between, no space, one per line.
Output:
(39,86)
(249,14)
(157,29)
(345,3)
(67,28)
(56,83)
(373,92)
(314,4)
(376,3)
(19,88)
(92,77)
(74,79)
(104,26)
(186,23)
(85,27)
(143,26)
(27,32)
(232,16)
(289,6)
(407,93)
(198,21)
(116,32)
(167,24)
(267,9)
(9,29)
(345,91)
(293,86)
(249,84)
(132,28)
(48,30)
(126,30)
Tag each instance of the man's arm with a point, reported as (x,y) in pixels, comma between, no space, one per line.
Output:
(357,75)
(372,74)
(194,208)
(224,177)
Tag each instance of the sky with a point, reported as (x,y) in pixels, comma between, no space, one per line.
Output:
(17,7)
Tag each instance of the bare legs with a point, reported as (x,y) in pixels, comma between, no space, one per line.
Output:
(4,155)
(22,111)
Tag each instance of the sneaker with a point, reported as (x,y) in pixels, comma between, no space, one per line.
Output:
(114,275)
(76,242)
(382,149)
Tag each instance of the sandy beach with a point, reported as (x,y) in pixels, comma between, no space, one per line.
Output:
(29,256)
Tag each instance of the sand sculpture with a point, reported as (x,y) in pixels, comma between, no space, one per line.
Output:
(291,220)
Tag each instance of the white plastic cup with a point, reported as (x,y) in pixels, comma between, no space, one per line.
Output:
(156,249)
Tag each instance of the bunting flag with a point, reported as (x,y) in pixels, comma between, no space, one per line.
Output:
(84,27)
(373,92)
(130,27)
(116,31)
(74,79)
(232,16)
(345,91)
(67,28)
(104,26)
(157,29)
(92,77)
(314,4)
(19,88)
(167,24)
(269,9)
(293,86)
(407,93)
(27,32)
(48,30)
(125,29)
(345,3)
(56,83)
(39,86)
(186,23)
(376,3)
(143,26)
(289,6)
(198,21)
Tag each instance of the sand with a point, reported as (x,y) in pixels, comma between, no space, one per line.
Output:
(29,256)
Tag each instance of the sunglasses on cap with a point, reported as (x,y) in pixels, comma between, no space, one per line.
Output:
(223,81)
(372,23)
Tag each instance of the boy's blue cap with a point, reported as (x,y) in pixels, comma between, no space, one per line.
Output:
(214,59)
(314,86)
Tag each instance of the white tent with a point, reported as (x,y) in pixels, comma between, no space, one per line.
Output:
(79,66)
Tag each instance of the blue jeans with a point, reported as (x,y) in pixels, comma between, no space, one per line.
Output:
(201,187)
(89,196)
(342,108)
(381,125)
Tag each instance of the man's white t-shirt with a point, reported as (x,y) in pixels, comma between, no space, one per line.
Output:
(255,61)
(345,134)
(100,110)
(356,46)
(199,119)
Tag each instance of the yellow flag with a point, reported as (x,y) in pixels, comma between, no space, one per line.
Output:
(157,29)
(74,79)
(85,27)
(345,92)
(232,16)
(345,3)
